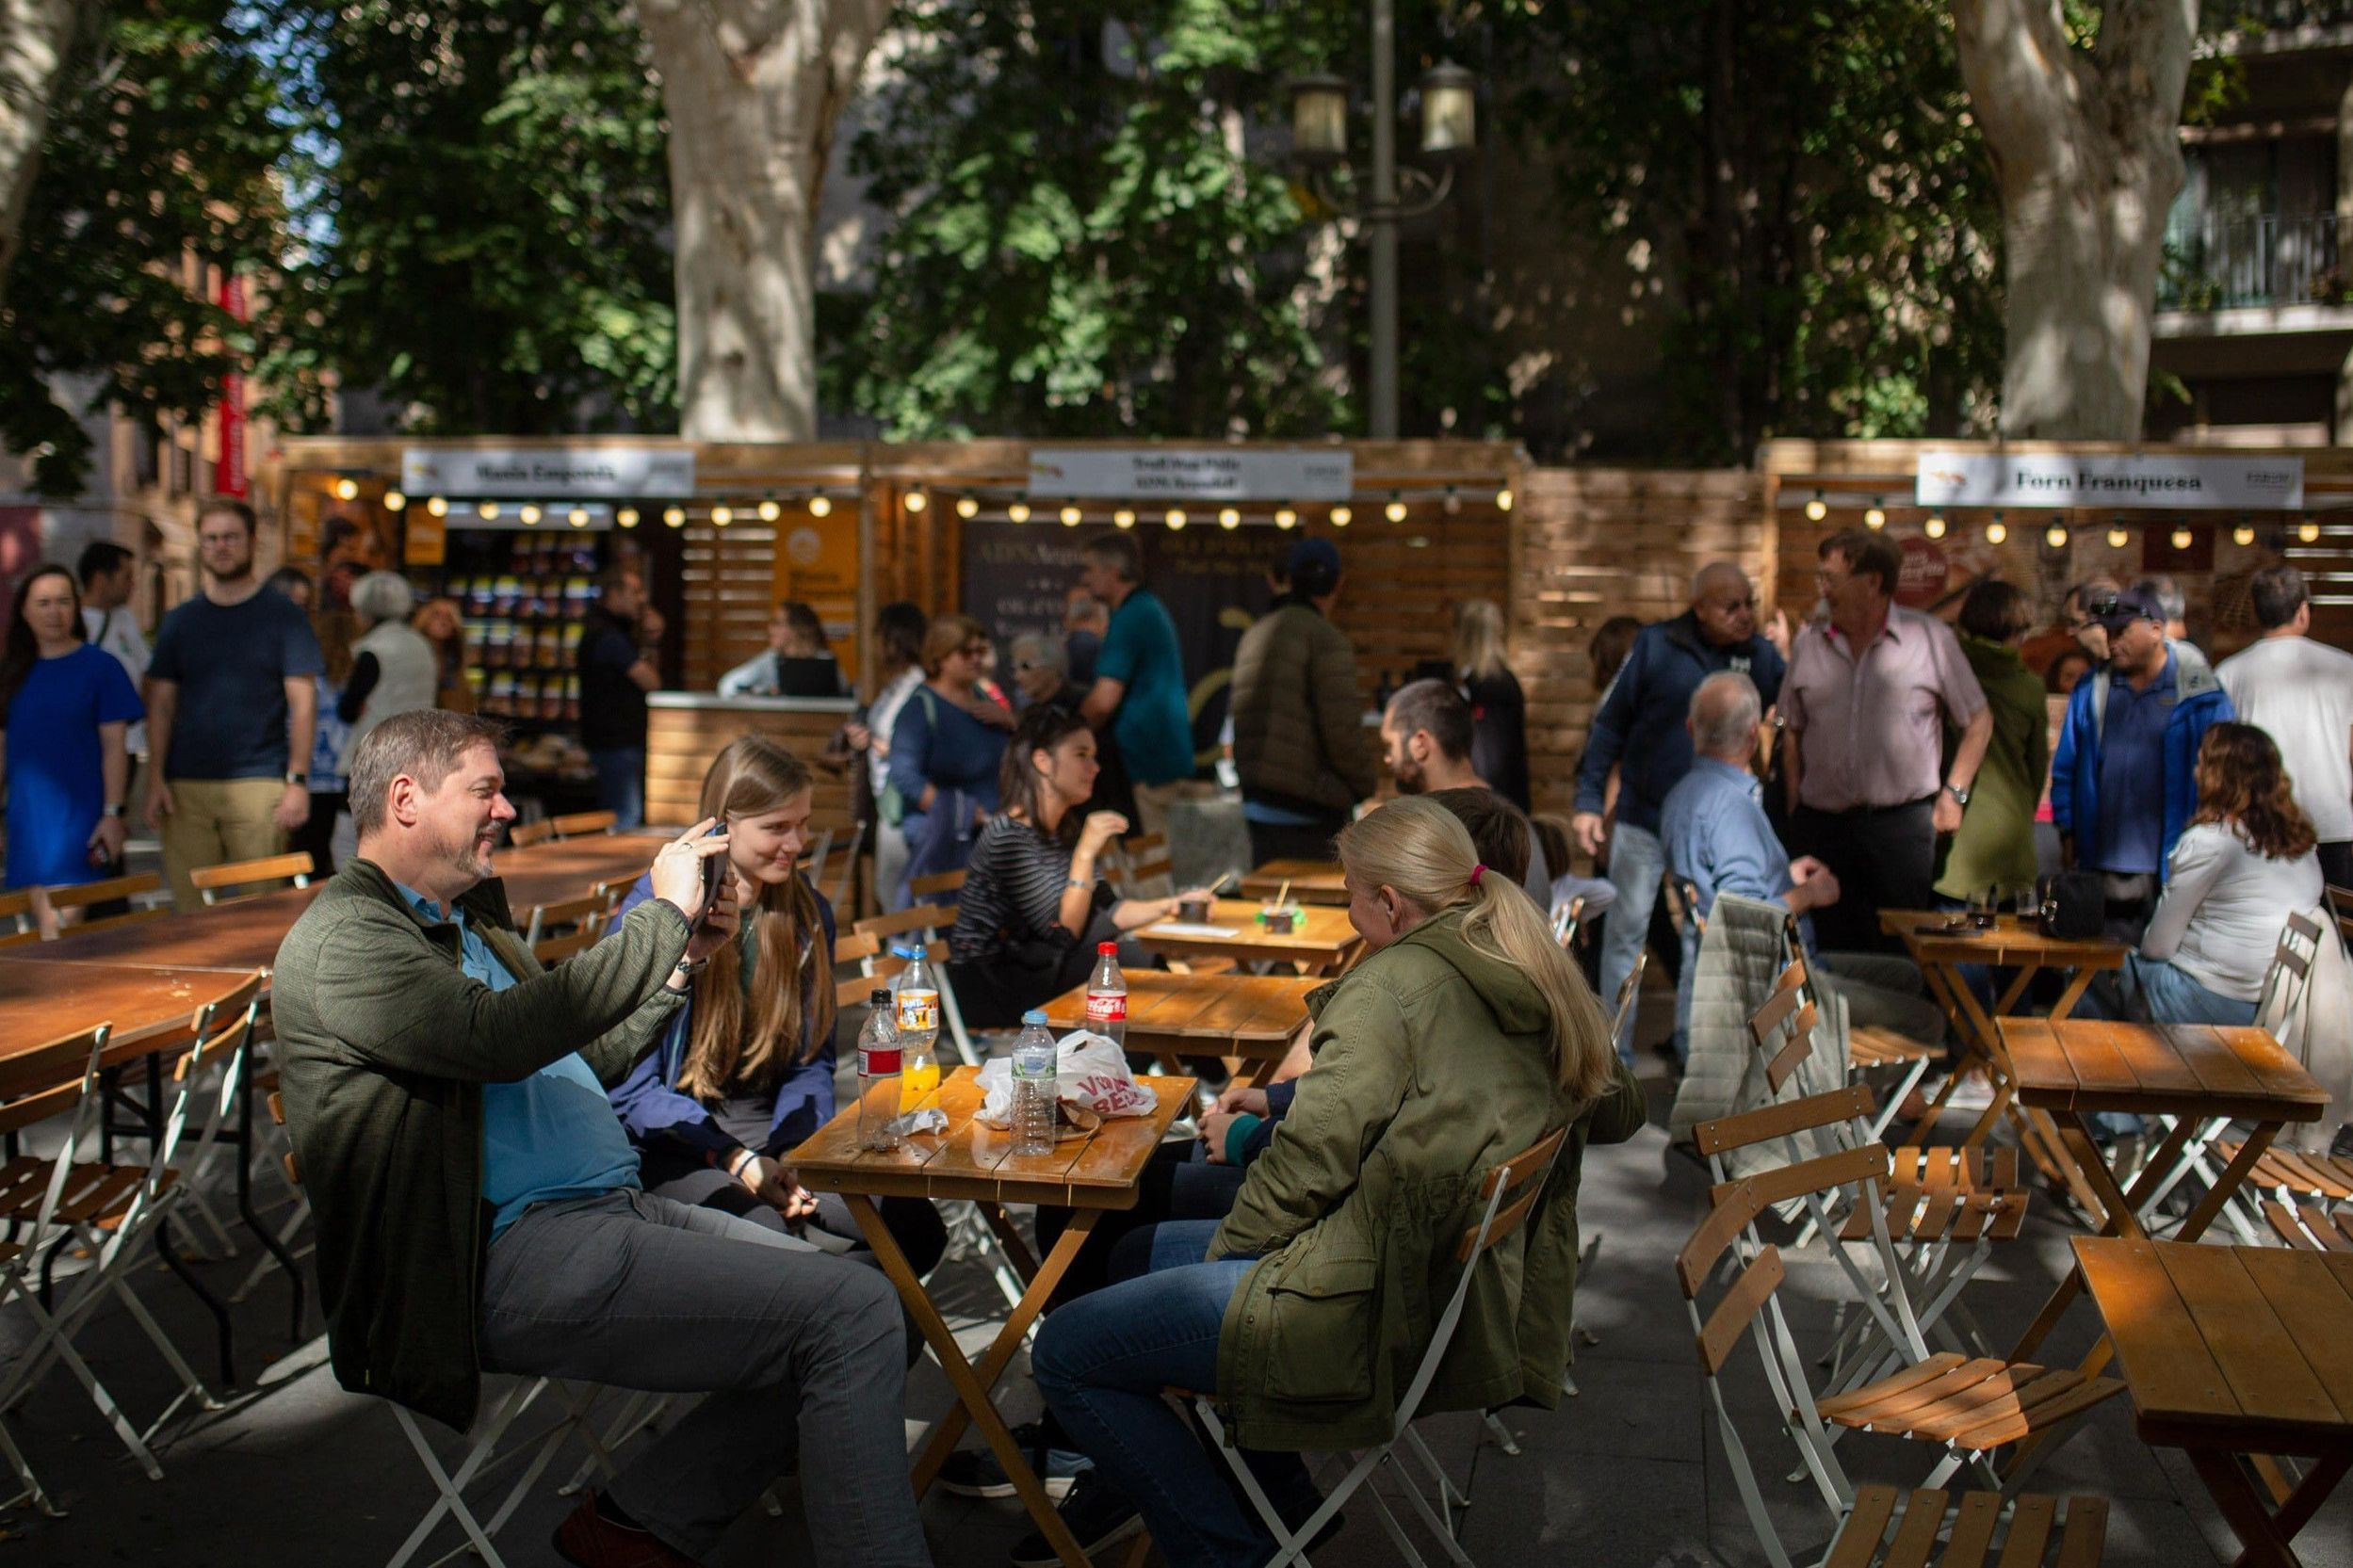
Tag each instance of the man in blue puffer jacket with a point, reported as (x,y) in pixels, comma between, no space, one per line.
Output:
(2124,780)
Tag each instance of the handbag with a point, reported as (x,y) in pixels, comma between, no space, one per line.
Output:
(2074,905)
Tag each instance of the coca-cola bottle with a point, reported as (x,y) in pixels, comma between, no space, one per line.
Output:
(1106,996)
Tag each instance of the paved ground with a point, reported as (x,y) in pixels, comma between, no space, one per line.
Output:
(1631,1472)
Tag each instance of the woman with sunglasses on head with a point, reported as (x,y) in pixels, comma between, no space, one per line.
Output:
(746,1070)
(944,753)
(65,708)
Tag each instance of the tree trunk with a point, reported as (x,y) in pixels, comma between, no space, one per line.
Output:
(2087,157)
(36,40)
(752,89)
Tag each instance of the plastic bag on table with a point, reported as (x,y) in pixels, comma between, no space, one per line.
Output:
(1090,1072)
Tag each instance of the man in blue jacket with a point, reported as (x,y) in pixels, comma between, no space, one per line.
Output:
(1639,730)
(2124,780)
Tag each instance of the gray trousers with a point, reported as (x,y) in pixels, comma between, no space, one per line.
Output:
(796,1349)
(1883,992)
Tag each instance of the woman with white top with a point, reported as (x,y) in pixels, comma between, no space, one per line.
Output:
(2244,861)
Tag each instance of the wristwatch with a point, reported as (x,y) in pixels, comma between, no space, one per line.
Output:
(118,809)
(1957,793)
(302,779)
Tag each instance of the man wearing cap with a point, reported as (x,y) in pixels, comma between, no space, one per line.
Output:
(2124,780)
(1299,744)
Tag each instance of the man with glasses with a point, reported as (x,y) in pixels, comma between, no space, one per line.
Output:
(2124,780)
(2075,629)
(1869,694)
(1639,731)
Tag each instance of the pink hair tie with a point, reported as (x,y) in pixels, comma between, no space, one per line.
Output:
(1477,872)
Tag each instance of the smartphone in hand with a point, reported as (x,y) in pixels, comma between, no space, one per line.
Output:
(715,873)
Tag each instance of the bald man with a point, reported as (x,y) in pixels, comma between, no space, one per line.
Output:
(1639,731)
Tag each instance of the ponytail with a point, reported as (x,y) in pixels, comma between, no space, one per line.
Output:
(1417,847)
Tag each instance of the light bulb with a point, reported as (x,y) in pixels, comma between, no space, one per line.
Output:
(1452,503)
(769,510)
(1874,517)
(1996,532)
(917,500)
(1229,519)
(1176,519)
(1018,511)
(438,506)
(346,490)
(1817,508)
(1072,516)
(2055,536)
(627,517)
(1341,517)
(966,506)
(1934,527)
(2119,539)
(821,505)
(487,511)
(1504,499)
(1284,518)
(675,516)
(1395,510)
(530,514)
(2309,531)
(2181,539)
(395,501)
(722,516)
(2242,535)
(1122,518)
(578,517)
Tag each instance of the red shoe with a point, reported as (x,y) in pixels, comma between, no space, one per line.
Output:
(590,1539)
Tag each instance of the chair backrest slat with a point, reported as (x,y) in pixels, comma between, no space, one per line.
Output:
(1629,989)
(83,894)
(1733,1213)
(1739,1307)
(293,869)
(1818,1174)
(1781,1121)
(916,917)
(581,824)
(854,946)
(522,835)
(38,1084)
(924,888)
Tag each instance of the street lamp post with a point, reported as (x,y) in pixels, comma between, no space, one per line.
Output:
(1320,140)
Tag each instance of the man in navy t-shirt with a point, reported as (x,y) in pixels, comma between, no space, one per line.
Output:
(616,672)
(231,709)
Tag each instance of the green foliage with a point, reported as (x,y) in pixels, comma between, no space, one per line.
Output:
(157,164)
(1083,241)
(1806,177)
(481,205)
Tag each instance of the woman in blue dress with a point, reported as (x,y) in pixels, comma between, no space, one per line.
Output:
(944,752)
(64,709)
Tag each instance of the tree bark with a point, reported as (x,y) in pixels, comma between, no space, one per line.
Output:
(753,88)
(2087,158)
(36,40)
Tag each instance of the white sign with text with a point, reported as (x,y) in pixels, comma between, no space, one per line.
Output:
(1194,474)
(549,472)
(2159,482)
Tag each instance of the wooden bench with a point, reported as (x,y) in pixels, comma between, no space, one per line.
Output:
(254,876)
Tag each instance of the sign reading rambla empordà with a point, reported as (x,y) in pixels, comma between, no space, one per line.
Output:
(2157,481)
(549,472)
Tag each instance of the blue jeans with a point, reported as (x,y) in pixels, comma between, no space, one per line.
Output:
(1637,861)
(1101,1362)
(620,784)
(2156,990)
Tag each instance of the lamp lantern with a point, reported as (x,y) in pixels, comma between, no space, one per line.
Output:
(1319,118)
(1450,111)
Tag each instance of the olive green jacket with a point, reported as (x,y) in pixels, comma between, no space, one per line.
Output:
(1430,1068)
(384,1047)
(1995,847)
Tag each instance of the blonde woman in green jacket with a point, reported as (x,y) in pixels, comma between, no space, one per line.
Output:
(1465,1037)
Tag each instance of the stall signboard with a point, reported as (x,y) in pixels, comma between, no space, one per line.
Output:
(2154,481)
(548,473)
(1191,474)
(817,562)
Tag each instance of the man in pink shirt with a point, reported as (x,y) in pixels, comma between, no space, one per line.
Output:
(1867,701)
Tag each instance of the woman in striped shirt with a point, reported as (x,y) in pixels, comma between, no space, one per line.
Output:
(1032,909)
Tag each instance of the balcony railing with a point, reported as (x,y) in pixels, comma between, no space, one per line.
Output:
(2268,259)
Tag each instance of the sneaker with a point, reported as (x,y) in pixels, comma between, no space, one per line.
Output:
(589,1540)
(975,1473)
(1096,1515)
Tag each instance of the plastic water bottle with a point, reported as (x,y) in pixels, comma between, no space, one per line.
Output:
(916,996)
(1106,996)
(1035,1073)
(878,1078)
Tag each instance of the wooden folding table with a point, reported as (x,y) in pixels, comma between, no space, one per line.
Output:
(1253,1018)
(2233,1354)
(972,1160)
(1321,939)
(1311,882)
(2192,1073)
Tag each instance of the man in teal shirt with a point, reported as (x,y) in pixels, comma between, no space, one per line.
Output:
(1138,693)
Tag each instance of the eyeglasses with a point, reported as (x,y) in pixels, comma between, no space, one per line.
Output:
(974,650)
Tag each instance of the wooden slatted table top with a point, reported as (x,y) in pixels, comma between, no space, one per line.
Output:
(44,999)
(2082,1064)
(974,1160)
(1320,936)
(2237,1348)
(2011,941)
(1244,1015)
(1312,881)
(548,872)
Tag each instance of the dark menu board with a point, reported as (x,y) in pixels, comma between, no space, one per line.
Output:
(1018,577)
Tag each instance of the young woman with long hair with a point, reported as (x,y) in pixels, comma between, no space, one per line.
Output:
(1499,709)
(746,1071)
(1465,1037)
(65,708)
(2243,862)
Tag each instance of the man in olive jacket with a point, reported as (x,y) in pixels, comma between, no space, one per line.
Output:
(478,1207)
(1300,743)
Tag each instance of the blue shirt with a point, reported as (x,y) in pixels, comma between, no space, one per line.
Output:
(57,766)
(2131,838)
(1153,724)
(1638,728)
(551,1136)
(1716,835)
(231,663)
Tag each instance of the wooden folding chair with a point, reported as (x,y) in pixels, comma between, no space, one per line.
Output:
(2309,1227)
(564,918)
(1869,1050)
(249,877)
(1861,1519)
(584,824)
(927,926)
(930,889)
(52,905)
(522,835)
(1142,869)
(17,920)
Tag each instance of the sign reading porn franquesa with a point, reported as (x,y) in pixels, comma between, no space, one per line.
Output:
(2155,481)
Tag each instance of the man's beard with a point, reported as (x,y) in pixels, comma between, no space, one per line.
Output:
(1411,778)
(471,860)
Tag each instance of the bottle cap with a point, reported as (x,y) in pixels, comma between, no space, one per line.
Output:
(881,997)
(1106,946)
(1035,1015)
(902,950)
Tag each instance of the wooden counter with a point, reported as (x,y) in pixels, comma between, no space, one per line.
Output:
(685,729)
